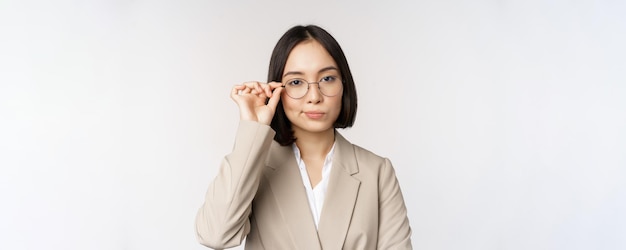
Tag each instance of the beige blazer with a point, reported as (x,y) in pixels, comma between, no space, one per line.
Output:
(259,193)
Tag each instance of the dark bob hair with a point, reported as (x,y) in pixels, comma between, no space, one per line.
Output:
(291,38)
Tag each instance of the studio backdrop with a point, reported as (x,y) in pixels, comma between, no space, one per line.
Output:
(505,120)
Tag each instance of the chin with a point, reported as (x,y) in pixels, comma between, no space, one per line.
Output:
(315,127)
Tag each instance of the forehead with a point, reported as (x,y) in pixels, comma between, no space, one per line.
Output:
(308,57)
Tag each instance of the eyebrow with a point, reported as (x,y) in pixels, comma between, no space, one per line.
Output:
(320,71)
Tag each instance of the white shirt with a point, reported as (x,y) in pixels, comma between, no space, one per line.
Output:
(315,195)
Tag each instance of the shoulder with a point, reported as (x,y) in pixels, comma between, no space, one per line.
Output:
(367,155)
(366,160)
(359,151)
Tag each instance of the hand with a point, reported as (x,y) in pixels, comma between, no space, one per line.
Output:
(251,97)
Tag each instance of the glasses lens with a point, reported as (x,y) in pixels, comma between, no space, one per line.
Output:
(297,88)
(330,87)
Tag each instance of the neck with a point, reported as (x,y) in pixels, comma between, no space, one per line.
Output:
(315,145)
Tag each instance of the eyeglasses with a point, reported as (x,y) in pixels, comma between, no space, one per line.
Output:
(297,88)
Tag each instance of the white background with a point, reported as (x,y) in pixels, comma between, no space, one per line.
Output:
(505,120)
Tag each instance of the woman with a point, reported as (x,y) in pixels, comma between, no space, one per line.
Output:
(292,181)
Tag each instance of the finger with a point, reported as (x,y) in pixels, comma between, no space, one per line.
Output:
(236,90)
(258,87)
(253,85)
(250,84)
(268,90)
(274,85)
(273,102)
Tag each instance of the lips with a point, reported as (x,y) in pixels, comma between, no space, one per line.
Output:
(314,114)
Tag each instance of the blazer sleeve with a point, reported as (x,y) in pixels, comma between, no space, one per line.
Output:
(223,220)
(394,231)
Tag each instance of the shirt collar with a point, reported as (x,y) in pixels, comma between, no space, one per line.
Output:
(327,160)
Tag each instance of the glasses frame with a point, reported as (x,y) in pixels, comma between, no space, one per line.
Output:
(308,86)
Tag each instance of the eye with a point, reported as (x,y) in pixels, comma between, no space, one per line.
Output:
(295,82)
(328,79)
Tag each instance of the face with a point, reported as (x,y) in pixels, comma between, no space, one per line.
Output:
(314,112)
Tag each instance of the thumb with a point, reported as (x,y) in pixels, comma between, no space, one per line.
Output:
(275,98)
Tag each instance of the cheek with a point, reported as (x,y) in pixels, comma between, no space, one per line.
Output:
(337,106)
(285,103)
(289,106)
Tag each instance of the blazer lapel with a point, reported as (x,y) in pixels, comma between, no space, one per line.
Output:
(286,183)
(341,196)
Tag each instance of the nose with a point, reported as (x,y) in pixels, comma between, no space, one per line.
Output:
(314,94)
